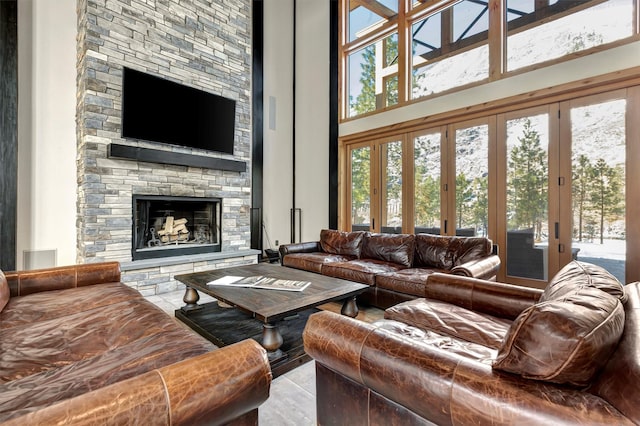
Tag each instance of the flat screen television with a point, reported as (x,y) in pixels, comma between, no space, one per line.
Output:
(159,110)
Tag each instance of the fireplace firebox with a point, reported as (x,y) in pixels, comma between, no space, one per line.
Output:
(166,226)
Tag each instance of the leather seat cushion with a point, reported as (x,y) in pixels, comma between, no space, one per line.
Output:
(48,305)
(451,320)
(313,261)
(359,270)
(568,337)
(470,350)
(408,281)
(46,345)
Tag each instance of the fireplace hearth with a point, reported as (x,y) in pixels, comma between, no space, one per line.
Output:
(165,226)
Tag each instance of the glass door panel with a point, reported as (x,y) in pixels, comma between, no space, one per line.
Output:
(471,181)
(527,205)
(360,188)
(598,185)
(427,183)
(391,187)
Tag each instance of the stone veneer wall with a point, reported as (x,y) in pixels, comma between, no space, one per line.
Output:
(200,43)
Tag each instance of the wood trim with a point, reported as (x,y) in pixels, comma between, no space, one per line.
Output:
(633,177)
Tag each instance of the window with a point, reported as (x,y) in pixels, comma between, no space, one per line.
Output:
(549,183)
(449,48)
(541,31)
(373,72)
(392,55)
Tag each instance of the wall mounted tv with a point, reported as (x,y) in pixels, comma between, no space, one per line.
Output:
(159,110)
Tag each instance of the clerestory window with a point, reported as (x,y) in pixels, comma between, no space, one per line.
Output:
(396,51)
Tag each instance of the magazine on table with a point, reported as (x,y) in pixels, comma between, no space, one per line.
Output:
(259,281)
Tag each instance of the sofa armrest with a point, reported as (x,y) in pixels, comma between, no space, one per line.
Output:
(485,268)
(213,388)
(308,247)
(490,297)
(22,283)
(440,386)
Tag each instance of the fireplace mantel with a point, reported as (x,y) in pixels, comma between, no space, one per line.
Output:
(168,157)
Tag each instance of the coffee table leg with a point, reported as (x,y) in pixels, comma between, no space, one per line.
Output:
(349,307)
(190,299)
(271,341)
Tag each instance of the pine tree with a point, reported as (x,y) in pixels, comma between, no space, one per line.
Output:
(464,196)
(527,180)
(360,183)
(480,209)
(427,180)
(366,100)
(606,192)
(582,172)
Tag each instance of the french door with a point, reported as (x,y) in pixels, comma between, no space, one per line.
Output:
(375,191)
(548,184)
(562,183)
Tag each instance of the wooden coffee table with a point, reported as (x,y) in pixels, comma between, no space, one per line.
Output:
(268,306)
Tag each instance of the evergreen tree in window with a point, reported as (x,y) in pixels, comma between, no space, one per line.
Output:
(464,199)
(582,172)
(480,208)
(606,193)
(368,100)
(527,180)
(392,152)
(427,181)
(360,185)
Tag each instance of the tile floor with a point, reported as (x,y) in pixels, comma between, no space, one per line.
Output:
(292,395)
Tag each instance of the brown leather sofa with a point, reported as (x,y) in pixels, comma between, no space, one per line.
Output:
(481,352)
(79,347)
(396,266)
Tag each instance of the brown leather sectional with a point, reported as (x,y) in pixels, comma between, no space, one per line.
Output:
(396,266)
(79,347)
(479,352)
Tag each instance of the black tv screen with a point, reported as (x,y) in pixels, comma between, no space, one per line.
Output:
(159,110)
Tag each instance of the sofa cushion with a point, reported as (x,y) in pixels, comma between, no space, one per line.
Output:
(585,275)
(451,320)
(46,345)
(48,305)
(445,252)
(411,281)
(394,248)
(359,270)
(313,261)
(467,249)
(4,291)
(568,337)
(432,251)
(339,242)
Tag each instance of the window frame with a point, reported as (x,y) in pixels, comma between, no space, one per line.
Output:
(496,39)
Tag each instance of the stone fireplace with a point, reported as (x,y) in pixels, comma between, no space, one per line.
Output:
(175,226)
(126,187)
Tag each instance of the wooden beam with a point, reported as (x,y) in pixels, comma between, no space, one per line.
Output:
(374,6)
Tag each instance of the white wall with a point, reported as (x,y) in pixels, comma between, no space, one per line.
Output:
(46,128)
(312,116)
(278,157)
(311,121)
